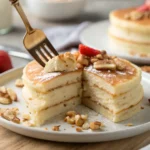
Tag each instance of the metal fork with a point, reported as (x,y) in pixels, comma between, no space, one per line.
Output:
(35,41)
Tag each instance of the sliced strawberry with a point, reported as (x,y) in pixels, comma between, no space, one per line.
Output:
(5,62)
(143,8)
(87,51)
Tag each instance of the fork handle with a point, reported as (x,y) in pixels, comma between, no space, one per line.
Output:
(18,7)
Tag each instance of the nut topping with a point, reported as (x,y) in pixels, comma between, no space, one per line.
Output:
(95,125)
(55,128)
(7,95)
(19,83)
(79,129)
(10,115)
(104,65)
(136,15)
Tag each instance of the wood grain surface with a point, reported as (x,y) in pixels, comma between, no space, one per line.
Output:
(12,141)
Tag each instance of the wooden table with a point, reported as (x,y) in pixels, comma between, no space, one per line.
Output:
(13,141)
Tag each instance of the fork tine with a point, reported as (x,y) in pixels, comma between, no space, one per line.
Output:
(50,46)
(45,50)
(37,58)
(42,54)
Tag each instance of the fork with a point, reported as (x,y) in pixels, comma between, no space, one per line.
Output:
(35,40)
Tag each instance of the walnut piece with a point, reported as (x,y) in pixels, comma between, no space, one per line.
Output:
(79,129)
(136,15)
(85,126)
(19,83)
(10,115)
(79,121)
(7,95)
(106,65)
(95,125)
(55,128)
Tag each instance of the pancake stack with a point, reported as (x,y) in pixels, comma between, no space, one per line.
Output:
(113,91)
(130,31)
(113,94)
(49,94)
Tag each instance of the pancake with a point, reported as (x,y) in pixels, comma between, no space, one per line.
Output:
(105,91)
(129,35)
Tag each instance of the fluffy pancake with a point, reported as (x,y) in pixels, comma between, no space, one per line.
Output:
(128,35)
(117,18)
(112,93)
(35,77)
(114,82)
(115,117)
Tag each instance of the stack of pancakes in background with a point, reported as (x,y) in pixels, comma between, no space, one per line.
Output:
(130,31)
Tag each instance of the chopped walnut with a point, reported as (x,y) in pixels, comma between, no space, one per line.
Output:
(26,117)
(12,94)
(19,83)
(79,129)
(85,126)
(71,113)
(7,95)
(93,60)
(79,66)
(136,15)
(84,117)
(79,121)
(5,101)
(3,90)
(16,120)
(99,56)
(95,125)
(83,60)
(104,64)
(55,128)
(70,120)
(29,124)
(119,64)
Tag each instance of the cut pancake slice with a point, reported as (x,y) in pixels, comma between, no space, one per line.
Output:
(39,117)
(116,82)
(114,103)
(115,117)
(39,100)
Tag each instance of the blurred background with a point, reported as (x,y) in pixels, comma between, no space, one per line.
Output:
(49,14)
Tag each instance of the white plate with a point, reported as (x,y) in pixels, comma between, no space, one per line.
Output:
(111,131)
(96,36)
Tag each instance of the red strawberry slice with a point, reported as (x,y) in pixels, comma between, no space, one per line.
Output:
(87,51)
(143,8)
(5,62)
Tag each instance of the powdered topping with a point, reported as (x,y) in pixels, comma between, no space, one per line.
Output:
(46,76)
(38,74)
(112,76)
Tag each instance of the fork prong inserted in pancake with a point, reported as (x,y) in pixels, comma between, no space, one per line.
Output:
(42,54)
(45,50)
(37,58)
(50,46)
